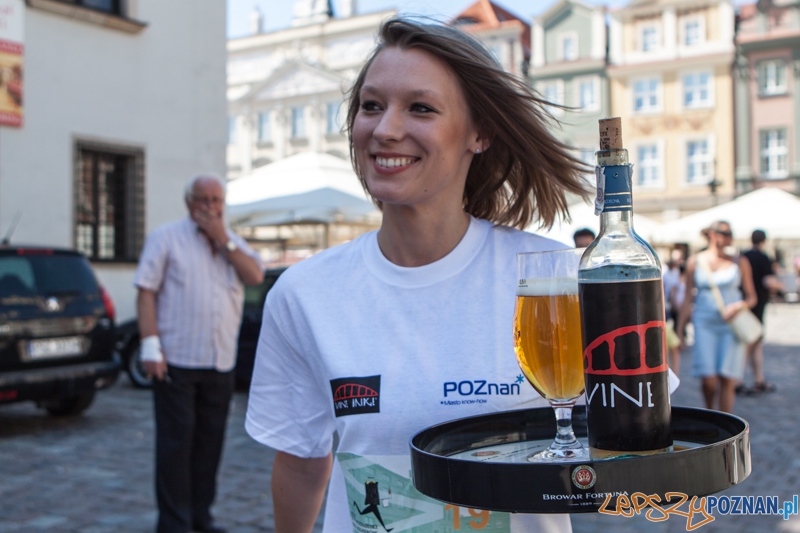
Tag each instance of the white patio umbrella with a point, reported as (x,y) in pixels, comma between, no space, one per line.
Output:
(322,206)
(775,211)
(582,215)
(295,174)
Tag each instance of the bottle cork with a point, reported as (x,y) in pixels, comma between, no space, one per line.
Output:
(611,133)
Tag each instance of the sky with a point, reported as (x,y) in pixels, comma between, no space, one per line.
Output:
(278,13)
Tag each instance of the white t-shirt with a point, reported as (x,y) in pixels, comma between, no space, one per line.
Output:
(377,352)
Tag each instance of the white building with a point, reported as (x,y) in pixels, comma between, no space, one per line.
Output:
(286,88)
(123,102)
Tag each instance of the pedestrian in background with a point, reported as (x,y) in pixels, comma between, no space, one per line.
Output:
(718,357)
(672,279)
(764,282)
(190,296)
(583,237)
(364,339)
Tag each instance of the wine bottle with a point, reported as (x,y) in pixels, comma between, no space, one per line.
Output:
(622,318)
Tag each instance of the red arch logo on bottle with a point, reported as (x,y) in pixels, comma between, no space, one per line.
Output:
(599,362)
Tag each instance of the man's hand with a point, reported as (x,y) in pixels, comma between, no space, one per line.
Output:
(212,225)
(157,370)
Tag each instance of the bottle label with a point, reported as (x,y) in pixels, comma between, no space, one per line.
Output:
(625,366)
(613,188)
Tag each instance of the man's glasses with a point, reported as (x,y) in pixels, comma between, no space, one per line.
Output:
(208,200)
(724,233)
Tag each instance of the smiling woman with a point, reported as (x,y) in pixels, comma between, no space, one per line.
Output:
(454,150)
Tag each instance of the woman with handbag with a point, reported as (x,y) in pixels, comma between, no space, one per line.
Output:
(720,318)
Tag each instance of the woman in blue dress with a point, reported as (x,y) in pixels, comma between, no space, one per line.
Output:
(718,358)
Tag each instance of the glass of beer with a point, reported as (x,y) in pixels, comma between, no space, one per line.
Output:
(548,342)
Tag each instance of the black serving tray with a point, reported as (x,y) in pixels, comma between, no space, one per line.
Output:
(480,462)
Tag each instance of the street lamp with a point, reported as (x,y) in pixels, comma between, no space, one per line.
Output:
(713,183)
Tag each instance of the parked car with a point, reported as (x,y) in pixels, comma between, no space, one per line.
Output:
(128,336)
(56,330)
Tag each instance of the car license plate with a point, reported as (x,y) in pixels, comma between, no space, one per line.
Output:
(63,347)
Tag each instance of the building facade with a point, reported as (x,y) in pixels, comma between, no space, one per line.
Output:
(767,95)
(286,89)
(670,75)
(506,35)
(123,103)
(568,68)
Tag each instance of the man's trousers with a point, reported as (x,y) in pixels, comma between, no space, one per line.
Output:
(191,410)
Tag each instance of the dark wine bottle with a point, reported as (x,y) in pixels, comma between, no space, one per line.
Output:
(622,314)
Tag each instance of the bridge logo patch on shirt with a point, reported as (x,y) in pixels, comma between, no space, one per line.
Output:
(356,396)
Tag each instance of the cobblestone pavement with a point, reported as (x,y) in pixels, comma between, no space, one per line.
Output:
(93,473)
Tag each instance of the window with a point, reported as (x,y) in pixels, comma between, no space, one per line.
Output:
(771,77)
(699,162)
(231,130)
(773,154)
(109,202)
(298,123)
(647,95)
(569,47)
(697,90)
(264,129)
(587,156)
(691,32)
(334,119)
(649,163)
(497,51)
(649,38)
(588,99)
(113,7)
(553,92)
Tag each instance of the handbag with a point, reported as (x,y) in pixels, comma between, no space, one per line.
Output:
(745,325)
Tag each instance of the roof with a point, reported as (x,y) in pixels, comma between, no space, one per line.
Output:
(746,11)
(562,5)
(485,15)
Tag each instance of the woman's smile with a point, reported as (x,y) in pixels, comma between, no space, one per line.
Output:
(391,164)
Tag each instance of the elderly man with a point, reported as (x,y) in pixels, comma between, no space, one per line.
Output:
(191,278)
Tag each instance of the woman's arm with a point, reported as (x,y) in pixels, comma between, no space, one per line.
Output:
(298,487)
(688,299)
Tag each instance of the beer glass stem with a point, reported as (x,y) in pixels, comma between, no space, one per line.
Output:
(565,437)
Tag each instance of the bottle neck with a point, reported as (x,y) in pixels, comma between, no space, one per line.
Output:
(616,222)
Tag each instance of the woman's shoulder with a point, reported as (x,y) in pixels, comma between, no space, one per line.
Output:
(323,266)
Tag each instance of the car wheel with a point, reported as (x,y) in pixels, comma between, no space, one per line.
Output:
(69,405)
(134,367)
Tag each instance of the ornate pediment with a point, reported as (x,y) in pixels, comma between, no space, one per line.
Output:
(295,79)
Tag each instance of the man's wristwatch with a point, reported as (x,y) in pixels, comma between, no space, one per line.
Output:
(230,246)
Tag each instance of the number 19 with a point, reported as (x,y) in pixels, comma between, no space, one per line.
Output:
(480,518)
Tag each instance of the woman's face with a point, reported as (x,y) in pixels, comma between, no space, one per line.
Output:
(722,235)
(413,136)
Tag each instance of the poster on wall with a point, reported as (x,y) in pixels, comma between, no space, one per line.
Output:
(12,24)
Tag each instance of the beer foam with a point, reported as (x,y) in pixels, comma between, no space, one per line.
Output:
(547,287)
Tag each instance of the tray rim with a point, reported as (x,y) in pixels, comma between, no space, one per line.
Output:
(735,445)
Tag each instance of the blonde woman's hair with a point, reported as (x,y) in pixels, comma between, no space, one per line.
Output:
(525,172)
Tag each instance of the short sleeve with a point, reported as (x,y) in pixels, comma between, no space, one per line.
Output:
(152,263)
(290,408)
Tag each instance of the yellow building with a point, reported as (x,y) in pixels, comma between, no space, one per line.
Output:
(670,78)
